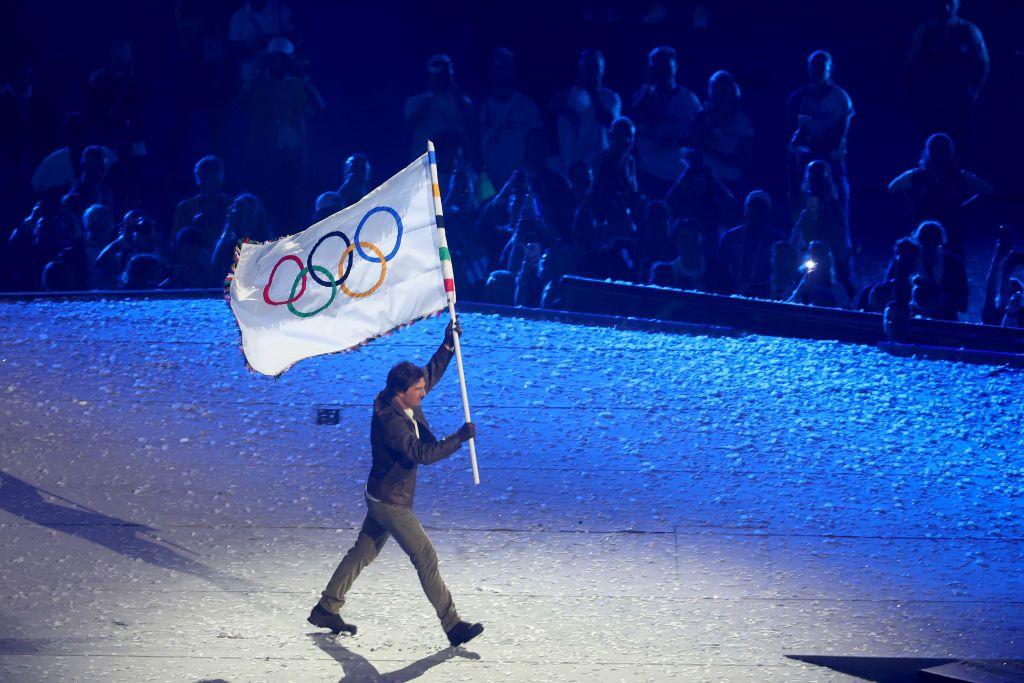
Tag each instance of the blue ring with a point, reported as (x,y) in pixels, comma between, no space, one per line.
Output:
(310,267)
(398,240)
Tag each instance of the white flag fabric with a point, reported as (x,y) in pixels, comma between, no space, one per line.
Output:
(355,275)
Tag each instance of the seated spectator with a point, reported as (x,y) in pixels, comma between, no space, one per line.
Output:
(723,133)
(246,218)
(821,218)
(599,248)
(701,197)
(655,239)
(1003,296)
(528,283)
(98,222)
(327,204)
(137,235)
(744,253)
(664,112)
(818,286)
(585,112)
(938,189)
(785,273)
(143,271)
(499,216)
(355,183)
(208,208)
(875,297)
(615,197)
(944,268)
(925,298)
(905,262)
(689,269)
(506,117)
(442,107)
(189,266)
(581,179)
(500,288)
(68,272)
(550,188)
(556,261)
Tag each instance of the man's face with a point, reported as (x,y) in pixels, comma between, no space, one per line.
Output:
(413,396)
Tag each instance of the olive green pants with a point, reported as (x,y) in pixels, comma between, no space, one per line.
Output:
(382,521)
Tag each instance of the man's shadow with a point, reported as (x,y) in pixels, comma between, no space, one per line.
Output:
(358,668)
(123,537)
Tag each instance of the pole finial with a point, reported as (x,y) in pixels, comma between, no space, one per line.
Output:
(430,145)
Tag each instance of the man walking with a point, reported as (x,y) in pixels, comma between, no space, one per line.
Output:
(401,440)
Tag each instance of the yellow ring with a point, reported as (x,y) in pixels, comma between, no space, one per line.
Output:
(383,269)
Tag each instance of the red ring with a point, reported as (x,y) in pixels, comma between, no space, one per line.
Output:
(270,280)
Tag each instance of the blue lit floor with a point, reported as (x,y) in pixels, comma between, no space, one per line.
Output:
(653,506)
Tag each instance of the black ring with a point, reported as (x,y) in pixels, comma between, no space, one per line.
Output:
(309,260)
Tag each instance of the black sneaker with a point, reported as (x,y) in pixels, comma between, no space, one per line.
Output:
(463,632)
(324,619)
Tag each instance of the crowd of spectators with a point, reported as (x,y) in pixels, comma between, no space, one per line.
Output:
(653,187)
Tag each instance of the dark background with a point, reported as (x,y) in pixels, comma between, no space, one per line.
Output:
(366,58)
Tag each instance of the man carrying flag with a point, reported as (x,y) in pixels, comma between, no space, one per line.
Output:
(401,440)
(358,274)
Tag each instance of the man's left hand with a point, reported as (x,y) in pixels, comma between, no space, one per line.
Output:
(449,335)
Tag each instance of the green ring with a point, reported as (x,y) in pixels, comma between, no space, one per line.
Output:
(298,279)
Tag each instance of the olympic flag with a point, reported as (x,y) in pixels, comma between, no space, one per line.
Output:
(356,275)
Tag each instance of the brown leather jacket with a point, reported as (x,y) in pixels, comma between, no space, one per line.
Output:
(397,453)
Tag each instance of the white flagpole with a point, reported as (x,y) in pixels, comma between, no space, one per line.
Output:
(449,286)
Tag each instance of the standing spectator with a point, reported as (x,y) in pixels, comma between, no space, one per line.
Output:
(701,197)
(277,103)
(91,186)
(355,182)
(938,189)
(442,107)
(819,287)
(253,26)
(117,96)
(744,253)
(506,116)
(819,114)
(585,112)
(664,112)
(615,196)
(724,134)
(948,66)
(208,208)
(944,268)
(56,173)
(821,218)
(24,127)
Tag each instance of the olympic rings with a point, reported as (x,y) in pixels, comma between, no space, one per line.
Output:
(294,297)
(380,259)
(398,240)
(311,268)
(302,275)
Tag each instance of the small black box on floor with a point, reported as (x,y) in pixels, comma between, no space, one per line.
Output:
(325,415)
